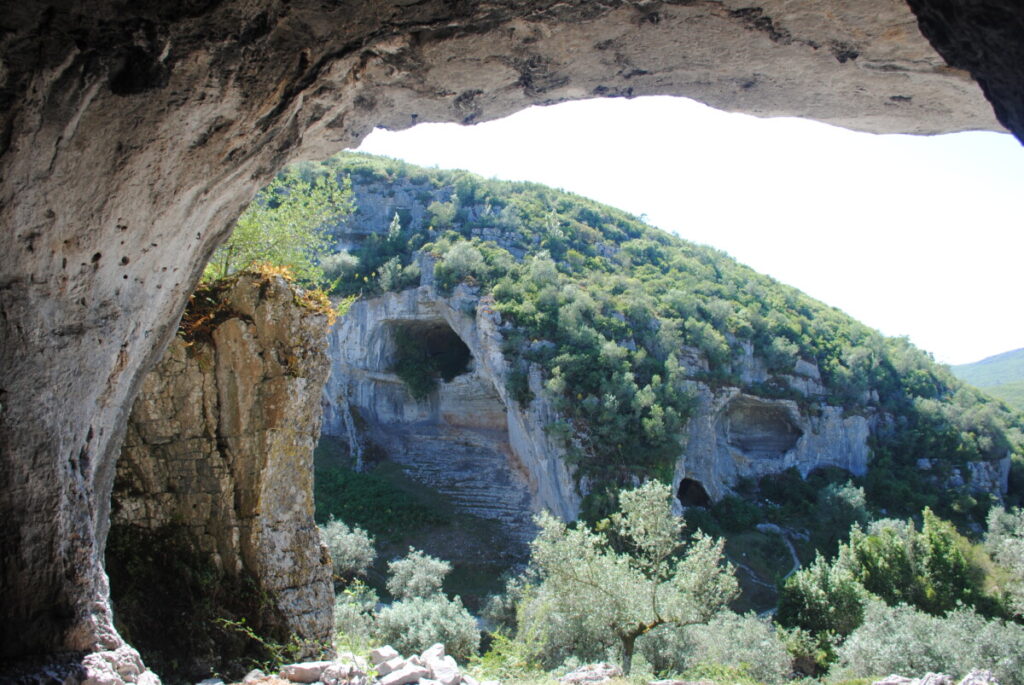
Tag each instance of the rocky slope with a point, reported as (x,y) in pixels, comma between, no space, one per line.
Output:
(216,469)
(468,439)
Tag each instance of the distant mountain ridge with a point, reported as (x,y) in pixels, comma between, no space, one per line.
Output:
(998,369)
(1001,375)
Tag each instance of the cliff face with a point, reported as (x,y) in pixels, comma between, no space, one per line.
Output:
(468,439)
(219,451)
(493,456)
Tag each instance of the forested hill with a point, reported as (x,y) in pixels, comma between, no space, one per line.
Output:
(604,304)
(1001,376)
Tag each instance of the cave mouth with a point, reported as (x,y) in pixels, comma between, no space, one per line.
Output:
(692,494)
(425,351)
(760,429)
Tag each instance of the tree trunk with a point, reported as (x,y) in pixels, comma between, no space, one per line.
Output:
(628,642)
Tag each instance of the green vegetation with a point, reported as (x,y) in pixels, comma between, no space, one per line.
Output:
(1010,393)
(604,306)
(285,226)
(991,371)
(392,507)
(623,580)
(422,614)
(1001,376)
(637,589)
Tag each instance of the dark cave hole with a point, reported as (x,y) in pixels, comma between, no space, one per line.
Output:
(692,494)
(425,351)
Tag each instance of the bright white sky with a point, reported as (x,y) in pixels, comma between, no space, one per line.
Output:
(916,236)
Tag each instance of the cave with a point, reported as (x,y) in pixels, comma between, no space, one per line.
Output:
(132,136)
(430,347)
(692,494)
(406,388)
(760,429)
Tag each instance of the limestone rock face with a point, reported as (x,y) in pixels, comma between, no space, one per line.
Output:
(132,134)
(469,439)
(733,435)
(220,442)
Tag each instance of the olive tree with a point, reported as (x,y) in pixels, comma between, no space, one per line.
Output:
(630,575)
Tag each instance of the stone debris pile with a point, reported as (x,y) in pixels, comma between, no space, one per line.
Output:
(386,667)
(975,677)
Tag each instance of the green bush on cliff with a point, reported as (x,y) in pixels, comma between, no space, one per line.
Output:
(285,226)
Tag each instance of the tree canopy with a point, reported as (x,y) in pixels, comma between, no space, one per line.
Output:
(628,576)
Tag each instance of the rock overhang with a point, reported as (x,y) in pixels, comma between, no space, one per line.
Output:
(130,139)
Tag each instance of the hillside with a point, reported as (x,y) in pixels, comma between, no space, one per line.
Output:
(1001,376)
(604,305)
(996,370)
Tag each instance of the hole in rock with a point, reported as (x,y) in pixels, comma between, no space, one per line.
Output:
(692,494)
(415,445)
(760,429)
(428,350)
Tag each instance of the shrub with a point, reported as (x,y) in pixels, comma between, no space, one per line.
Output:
(351,549)
(339,266)
(823,598)
(1005,542)
(353,614)
(412,625)
(744,643)
(416,575)
(903,640)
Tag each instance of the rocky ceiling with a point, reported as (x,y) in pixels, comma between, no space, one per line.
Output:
(133,133)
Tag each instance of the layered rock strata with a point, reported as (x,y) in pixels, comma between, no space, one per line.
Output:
(131,136)
(220,446)
(469,439)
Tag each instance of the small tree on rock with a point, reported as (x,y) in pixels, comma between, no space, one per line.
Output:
(629,576)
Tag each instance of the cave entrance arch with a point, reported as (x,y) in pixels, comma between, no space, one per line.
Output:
(422,351)
(126,154)
(691,493)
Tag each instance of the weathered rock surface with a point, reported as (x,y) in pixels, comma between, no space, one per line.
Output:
(490,456)
(591,673)
(131,135)
(734,435)
(220,444)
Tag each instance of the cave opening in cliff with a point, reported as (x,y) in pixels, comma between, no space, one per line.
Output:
(692,494)
(759,429)
(425,351)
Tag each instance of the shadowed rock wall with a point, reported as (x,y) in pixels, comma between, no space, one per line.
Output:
(220,445)
(132,134)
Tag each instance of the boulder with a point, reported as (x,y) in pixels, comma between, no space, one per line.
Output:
(435,651)
(444,669)
(382,654)
(410,673)
(592,673)
(390,666)
(306,672)
(979,677)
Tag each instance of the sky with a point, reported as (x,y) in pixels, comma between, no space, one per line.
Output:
(920,236)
